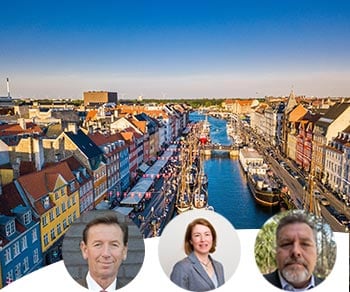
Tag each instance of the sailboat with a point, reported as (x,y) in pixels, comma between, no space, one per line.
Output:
(183,198)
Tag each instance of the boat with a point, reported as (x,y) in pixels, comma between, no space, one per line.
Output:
(249,157)
(263,185)
(264,191)
(204,135)
(200,193)
(183,196)
(193,182)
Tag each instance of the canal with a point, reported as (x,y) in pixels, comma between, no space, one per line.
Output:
(228,190)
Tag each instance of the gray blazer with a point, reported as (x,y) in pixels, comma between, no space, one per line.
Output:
(190,274)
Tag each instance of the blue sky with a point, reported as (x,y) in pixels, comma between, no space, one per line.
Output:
(175,49)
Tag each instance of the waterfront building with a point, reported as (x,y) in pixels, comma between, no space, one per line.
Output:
(271,124)
(130,140)
(326,128)
(20,245)
(293,121)
(53,196)
(113,146)
(337,164)
(152,130)
(304,140)
(258,120)
(238,106)
(123,165)
(158,112)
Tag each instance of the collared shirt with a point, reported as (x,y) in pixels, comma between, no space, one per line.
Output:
(289,287)
(94,286)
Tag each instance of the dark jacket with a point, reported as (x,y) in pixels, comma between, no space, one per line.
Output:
(190,274)
(274,279)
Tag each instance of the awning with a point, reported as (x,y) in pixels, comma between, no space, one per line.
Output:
(143,167)
(123,210)
(103,205)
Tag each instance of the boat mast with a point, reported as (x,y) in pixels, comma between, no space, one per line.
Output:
(310,204)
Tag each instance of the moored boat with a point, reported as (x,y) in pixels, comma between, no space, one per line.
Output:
(263,189)
(249,157)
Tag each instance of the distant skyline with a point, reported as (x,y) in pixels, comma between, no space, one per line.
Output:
(175,49)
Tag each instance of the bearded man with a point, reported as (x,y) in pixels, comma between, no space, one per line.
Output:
(296,254)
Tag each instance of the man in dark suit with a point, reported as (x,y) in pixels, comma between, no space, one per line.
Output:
(104,247)
(296,254)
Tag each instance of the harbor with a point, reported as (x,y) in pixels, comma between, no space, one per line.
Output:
(187,179)
(247,187)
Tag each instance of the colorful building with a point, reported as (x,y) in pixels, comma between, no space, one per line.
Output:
(53,196)
(20,245)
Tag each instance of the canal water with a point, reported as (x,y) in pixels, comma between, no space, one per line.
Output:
(228,190)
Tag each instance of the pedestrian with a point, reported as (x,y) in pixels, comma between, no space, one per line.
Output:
(296,254)
(199,271)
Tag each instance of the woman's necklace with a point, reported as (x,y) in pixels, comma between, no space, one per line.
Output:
(206,265)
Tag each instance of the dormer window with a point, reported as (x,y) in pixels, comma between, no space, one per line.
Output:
(46,202)
(10,228)
(72,186)
(27,217)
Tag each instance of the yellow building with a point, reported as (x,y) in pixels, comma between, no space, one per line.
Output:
(54,195)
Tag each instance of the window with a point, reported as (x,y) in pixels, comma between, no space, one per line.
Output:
(74,200)
(44,220)
(53,235)
(46,239)
(65,223)
(51,215)
(58,211)
(25,264)
(18,272)
(16,249)
(10,228)
(9,276)
(34,236)
(63,206)
(46,202)
(57,196)
(35,256)
(62,192)
(24,243)
(27,218)
(59,229)
(69,203)
(72,186)
(8,255)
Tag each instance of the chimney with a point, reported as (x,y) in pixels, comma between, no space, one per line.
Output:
(8,87)
(22,123)
(91,129)
(72,127)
